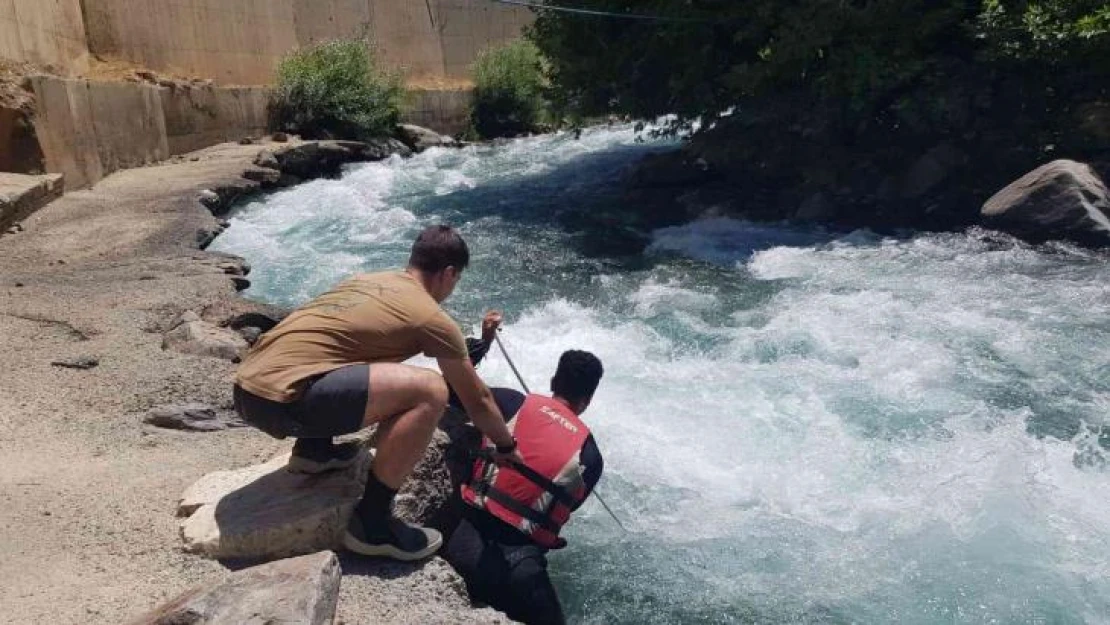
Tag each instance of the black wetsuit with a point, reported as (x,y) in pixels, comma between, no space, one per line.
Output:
(502,567)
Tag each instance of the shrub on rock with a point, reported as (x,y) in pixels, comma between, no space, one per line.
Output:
(508,90)
(335,89)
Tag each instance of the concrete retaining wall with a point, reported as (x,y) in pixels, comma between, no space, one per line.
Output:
(200,117)
(88,130)
(240,42)
(445,111)
(44,32)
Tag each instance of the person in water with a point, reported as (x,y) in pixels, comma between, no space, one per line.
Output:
(332,368)
(515,509)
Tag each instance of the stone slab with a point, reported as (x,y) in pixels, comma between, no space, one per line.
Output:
(297,591)
(267,512)
(22,195)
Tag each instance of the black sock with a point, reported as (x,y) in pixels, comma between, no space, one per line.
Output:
(376,504)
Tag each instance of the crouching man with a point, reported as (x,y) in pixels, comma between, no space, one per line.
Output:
(333,367)
(515,509)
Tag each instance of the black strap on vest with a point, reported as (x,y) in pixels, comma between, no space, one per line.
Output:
(514,506)
(558,492)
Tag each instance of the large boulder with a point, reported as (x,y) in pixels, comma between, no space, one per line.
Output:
(419,138)
(1061,200)
(192,335)
(267,512)
(297,591)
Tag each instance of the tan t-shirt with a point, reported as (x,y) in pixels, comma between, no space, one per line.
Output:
(377,317)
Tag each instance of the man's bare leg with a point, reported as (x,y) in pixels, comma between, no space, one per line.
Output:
(407,403)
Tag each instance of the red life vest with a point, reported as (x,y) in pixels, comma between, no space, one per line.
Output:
(535,498)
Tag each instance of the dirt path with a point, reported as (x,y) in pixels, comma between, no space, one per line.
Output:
(88,492)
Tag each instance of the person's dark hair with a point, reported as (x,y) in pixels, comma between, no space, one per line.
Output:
(437,248)
(577,377)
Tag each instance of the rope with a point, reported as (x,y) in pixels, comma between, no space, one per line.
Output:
(596,13)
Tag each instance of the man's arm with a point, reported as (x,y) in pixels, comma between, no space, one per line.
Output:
(593,464)
(477,399)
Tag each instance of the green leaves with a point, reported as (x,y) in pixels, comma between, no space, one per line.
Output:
(336,90)
(508,90)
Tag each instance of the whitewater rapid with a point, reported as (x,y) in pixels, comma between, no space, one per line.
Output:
(798,425)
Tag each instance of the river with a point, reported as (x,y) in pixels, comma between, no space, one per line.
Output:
(799,426)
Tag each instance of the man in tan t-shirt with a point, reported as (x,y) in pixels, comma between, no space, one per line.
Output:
(332,368)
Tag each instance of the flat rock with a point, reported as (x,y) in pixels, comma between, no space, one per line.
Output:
(1061,200)
(22,195)
(201,338)
(189,417)
(297,591)
(267,512)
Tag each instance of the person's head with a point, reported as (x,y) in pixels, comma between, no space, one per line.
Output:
(577,378)
(439,255)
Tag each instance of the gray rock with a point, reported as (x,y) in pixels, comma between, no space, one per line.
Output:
(250,334)
(201,338)
(302,591)
(265,511)
(210,199)
(267,160)
(279,137)
(267,177)
(419,138)
(82,362)
(1061,200)
(936,166)
(190,417)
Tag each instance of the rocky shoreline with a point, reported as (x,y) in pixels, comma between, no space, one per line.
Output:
(94,289)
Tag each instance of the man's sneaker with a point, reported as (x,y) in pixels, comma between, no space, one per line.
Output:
(317,455)
(399,540)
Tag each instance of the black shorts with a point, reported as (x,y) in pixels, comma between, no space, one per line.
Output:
(331,404)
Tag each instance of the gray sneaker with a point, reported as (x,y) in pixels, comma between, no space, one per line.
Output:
(318,455)
(398,540)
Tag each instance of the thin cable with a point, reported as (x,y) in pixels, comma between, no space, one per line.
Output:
(525,387)
(519,378)
(596,13)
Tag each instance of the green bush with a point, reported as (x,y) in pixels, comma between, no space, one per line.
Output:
(508,90)
(335,89)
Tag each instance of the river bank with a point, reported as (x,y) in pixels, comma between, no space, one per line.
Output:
(87,491)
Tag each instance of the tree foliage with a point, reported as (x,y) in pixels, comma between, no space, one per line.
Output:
(336,89)
(821,86)
(508,90)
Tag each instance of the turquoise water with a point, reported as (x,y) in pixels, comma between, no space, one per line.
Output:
(799,426)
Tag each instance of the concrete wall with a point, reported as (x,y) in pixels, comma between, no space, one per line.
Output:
(199,117)
(469,26)
(240,42)
(446,111)
(44,32)
(90,129)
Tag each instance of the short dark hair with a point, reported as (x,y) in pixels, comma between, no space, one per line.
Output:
(437,248)
(577,377)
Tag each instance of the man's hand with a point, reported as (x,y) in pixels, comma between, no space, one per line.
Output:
(490,323)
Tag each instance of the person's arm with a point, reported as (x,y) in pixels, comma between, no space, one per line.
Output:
(591,460)
(478,401)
